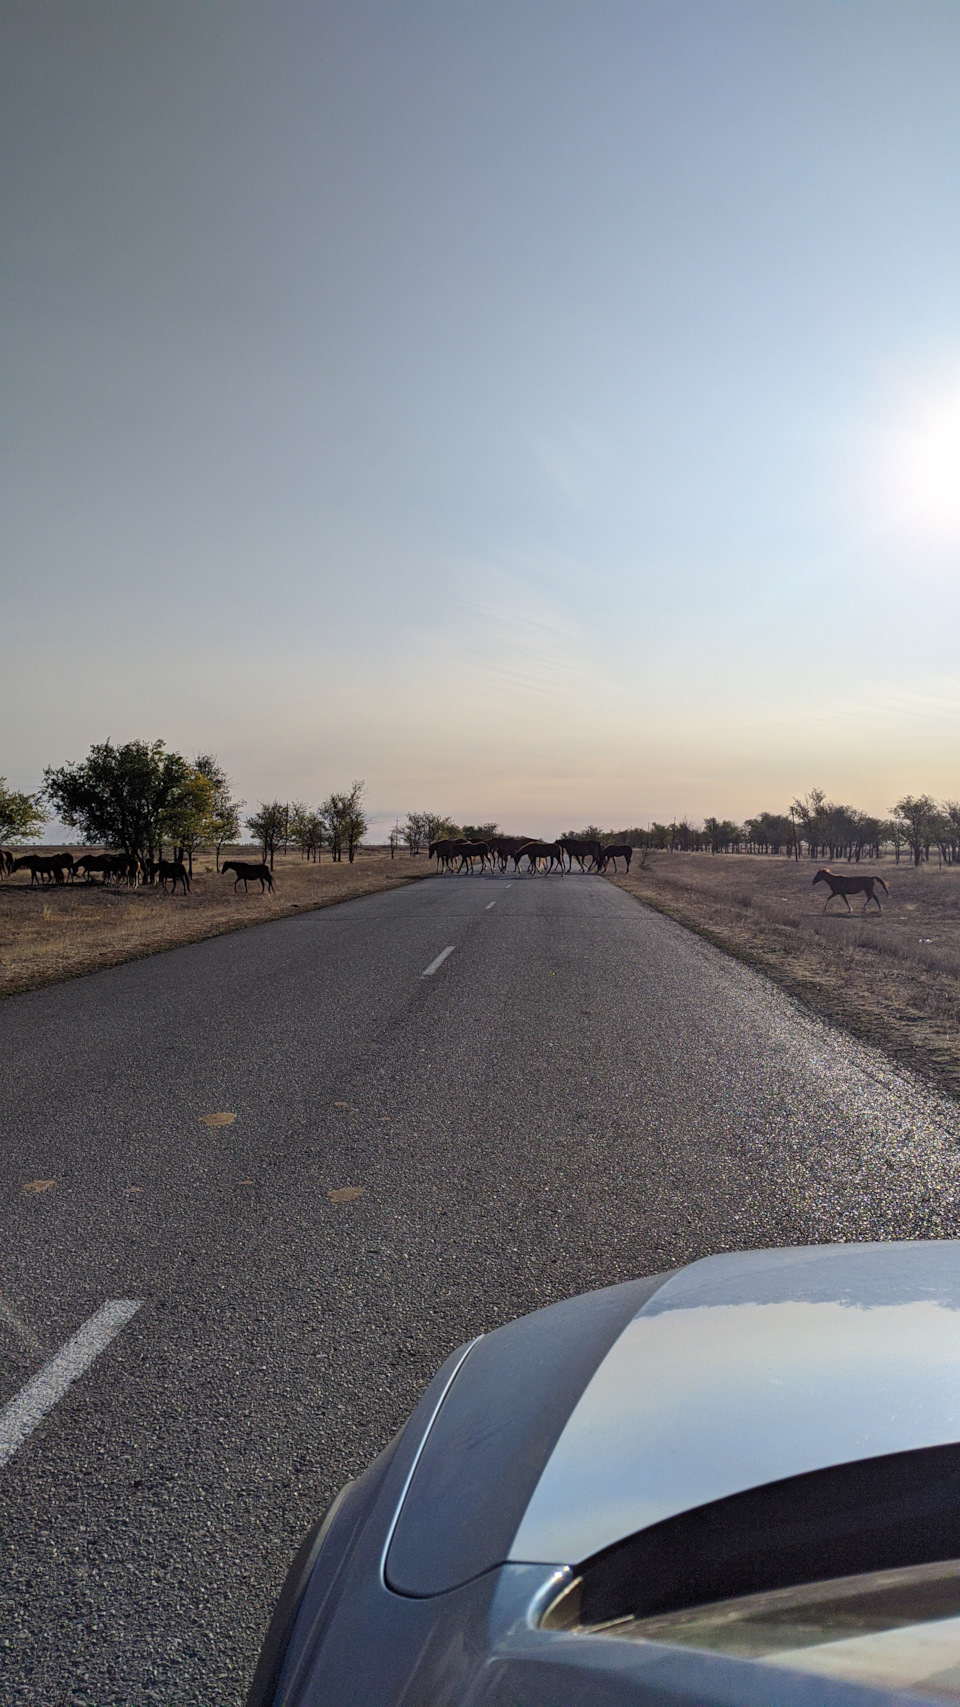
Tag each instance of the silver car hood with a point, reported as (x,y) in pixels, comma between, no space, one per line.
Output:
(745,1369)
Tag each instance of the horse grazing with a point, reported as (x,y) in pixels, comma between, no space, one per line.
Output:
(44,868)
(534,852)
(172,870)
(249,873)
(616,850)
(108,865)
(843,886)
(580,848)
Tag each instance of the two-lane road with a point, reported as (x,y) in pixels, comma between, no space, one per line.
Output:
(577,1092)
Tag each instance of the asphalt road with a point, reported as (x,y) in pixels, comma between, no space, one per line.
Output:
(580,1092)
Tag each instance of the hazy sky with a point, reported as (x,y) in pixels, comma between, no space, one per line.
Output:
(548,412)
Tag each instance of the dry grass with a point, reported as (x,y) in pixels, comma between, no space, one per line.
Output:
(51,933)
(893,980)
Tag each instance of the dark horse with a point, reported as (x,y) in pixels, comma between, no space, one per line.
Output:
(844,886)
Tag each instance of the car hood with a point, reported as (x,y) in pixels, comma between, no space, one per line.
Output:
(749,1368)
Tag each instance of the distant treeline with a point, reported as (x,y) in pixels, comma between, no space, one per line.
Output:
(812,828)
(140,798)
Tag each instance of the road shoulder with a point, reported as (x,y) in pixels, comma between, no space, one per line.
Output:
(898,1006)
(51,934)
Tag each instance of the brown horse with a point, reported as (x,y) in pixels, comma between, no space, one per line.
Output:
(534,852)
(844,886)
(616,850)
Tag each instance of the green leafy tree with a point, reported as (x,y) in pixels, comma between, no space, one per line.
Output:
(437,827)
(422,828)
(345,821)
(117,796)
(414,832)
(270,826)
(21,815)
(306,830)
(186,821)
(223,823)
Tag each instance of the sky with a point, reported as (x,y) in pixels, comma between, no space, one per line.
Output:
(548,412)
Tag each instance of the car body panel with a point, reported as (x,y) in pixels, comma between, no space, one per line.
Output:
(512,1399)
(745,1370)
(538,1452)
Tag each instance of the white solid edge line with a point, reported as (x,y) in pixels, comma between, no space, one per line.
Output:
(20,1417)
(441,957)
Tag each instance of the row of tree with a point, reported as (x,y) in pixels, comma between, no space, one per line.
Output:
(140,799)
(813,828)
(422,828)
(339,823)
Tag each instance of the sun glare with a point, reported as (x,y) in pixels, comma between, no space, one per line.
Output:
(923,471)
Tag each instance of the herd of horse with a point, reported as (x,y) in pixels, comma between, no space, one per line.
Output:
(454,853)
(116,867)
(131,869)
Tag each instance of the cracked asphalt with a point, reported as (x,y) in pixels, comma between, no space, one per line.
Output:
(581,1092)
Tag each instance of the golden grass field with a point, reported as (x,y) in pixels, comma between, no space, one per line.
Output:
(56,932)
(893,980)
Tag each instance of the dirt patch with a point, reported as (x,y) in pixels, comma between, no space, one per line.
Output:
(56,932)
(892,980)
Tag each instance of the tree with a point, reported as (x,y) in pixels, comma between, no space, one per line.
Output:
(269,826)
(723,835)
(355,823)
(306,830)
(422,828)
(919,814)
(117,796)
(479,832)
(345,821)
(811,814)
(185,822)
(223,823)
(770,831)
(415,832)
(21,815)
(951,812)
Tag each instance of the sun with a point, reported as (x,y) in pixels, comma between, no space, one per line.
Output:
(923,471)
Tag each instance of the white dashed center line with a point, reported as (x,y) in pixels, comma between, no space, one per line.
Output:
(441,957)
(489,905)
(20,1417)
